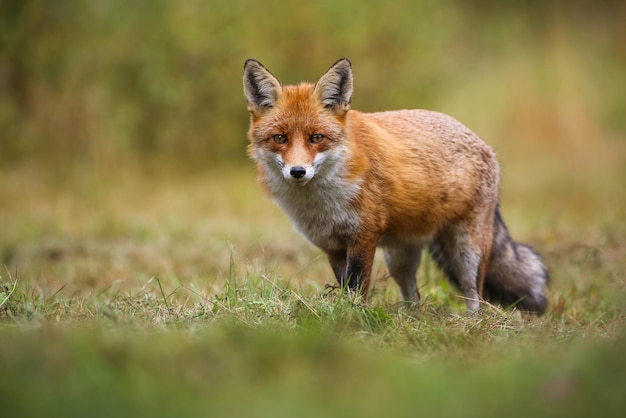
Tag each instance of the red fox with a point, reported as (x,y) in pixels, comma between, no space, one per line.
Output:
(400,180)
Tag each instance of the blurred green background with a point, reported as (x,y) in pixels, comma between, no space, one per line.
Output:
(99,84)
(123,165)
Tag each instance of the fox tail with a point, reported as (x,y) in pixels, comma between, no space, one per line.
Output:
(516,275)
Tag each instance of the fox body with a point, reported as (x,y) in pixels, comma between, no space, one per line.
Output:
(401,180)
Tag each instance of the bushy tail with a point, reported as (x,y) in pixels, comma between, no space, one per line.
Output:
(516,274)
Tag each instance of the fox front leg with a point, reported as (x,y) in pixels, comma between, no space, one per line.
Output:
(338,261)
(353,267)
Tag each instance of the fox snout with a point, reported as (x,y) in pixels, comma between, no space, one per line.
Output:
(297,174)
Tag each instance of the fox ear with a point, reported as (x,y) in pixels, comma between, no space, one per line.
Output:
(260,87)
(334,89)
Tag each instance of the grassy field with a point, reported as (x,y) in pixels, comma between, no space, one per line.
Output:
(143,273)
(138,293)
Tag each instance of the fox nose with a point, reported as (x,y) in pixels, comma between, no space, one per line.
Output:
(297,172)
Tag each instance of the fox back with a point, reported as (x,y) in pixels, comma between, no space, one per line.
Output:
(352,181)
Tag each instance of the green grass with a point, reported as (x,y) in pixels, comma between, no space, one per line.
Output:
(128,294)
(258,347)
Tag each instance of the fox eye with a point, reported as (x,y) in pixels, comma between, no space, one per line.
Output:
(316,138)
(279,138)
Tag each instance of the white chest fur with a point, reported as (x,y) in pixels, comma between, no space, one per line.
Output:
(322,209)
(322,212)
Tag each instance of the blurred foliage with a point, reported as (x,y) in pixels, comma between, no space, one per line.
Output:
(105,82)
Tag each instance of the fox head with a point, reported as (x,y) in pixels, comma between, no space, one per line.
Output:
(297,131)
